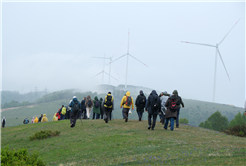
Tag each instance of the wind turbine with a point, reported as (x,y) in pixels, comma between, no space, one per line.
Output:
(216,51)
(127,55)
(102,72)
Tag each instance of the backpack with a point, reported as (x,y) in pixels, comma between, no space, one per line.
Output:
(128,101)
(155,105)
(63,112)
(174,104)
(108,101)
(97,104)
(89,103)
(141,101)
(75,106)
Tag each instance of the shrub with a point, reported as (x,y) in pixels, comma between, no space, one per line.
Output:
(184,121)
(44,134)
(20,157)
(238,130)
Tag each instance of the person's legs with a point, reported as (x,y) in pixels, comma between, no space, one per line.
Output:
(93,115)
(110,115)
(71,117)
(126,110)
(123,113)
(166,123)
(88,112)
(154,121)
(172,123)
(97,116)
(149,121)
(177,119)
(75,118)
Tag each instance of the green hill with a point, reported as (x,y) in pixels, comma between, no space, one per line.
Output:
(94,142)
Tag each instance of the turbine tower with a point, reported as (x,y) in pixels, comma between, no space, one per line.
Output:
(216,51)
(127,55)
(110,58)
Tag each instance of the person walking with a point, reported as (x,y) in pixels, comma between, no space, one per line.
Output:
(75,108)
(88,105)
(83,108)
(108,106)
(101,108)
(67,116)
(127,102)
(153,107)
(96,108)
(175,92)
(171,113)
(3,122)
(163,99)
(140,104)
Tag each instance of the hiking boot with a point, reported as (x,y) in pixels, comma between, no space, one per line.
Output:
(165,128)
(149,127)
(152,129)
(126,119)
(177,126)
(72,125)
(139,119)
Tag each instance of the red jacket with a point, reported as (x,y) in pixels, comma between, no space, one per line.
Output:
(59,116)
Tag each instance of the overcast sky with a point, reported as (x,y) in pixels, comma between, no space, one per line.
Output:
(50,44)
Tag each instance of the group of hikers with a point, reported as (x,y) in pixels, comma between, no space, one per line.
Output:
(166,105)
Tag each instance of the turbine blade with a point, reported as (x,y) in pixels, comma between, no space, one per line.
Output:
(98,74)
(110,76)
(138,60)
(117,59)
(198,43)
(229,32)
(223,63)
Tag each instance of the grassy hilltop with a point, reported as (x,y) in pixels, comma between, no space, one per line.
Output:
(94,142)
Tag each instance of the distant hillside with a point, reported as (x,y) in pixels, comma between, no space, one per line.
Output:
(195,111)
(94,142)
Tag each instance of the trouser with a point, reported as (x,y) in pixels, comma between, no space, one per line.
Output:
(74,117)
(95,115)
(154,120)
(125,112)
(140,111)
(62,117)
(106,113)
(177,119)
(3,124)
(110,114)
(67,115)
(172,123)
(162,117)
(84,116)
(101,114)
(88,110)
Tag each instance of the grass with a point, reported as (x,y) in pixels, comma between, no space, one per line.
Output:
(118,143)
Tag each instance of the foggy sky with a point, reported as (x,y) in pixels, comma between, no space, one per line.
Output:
(50,44)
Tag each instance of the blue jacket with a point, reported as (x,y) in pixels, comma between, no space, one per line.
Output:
(75,100)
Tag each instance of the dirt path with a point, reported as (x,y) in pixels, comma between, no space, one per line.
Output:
(12,108)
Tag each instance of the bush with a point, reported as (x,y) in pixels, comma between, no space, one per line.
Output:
(238,130)
(44,134)
(184,121)
(20,157)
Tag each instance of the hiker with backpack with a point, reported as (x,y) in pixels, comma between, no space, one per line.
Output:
(163,99)
(153,107)
(175,92)
(75,108)
(40,118)
(96,108)
(108,105)
(63,112)
(83,108)
(171,113)
(101,108)
(140,104)
(25,121)
(88,105)
(3,122)
(127,102)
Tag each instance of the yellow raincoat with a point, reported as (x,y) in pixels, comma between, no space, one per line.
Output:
(55,118)
(35,120)
(124,100)
(44,119)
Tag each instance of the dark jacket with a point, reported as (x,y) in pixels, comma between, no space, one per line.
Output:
(181,102)
(151,101)
(170,114)
(83,108)
(75,100)
(40,118)
(137,103)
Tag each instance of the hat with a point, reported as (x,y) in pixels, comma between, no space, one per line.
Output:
(109,92)
(74,97)
(141,91)
(175,92)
